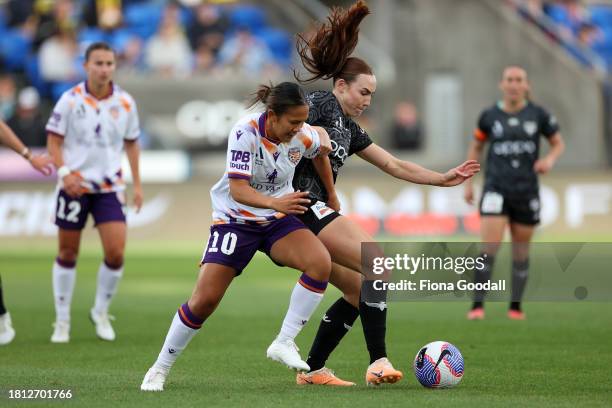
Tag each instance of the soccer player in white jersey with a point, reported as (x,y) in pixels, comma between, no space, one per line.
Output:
(254,207)
(88,130)
(42,164)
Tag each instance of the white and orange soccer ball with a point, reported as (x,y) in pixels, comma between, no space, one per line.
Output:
(438,364)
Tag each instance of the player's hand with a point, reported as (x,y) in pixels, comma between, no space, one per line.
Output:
(468,193)
(333,202)
(138,198)
(42,163)
(292,203)
(543,166)
(460,173)
(72,185)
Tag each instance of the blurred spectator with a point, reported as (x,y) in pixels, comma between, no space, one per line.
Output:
(208,28)
(129,55)
(589,34)
(58,56)
(168,52)
(28,122)
(104,14)
(406,130)
(53,17)
(8,91)
(246,54)
(18,12)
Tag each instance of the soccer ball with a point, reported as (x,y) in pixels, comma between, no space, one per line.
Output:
(438,364)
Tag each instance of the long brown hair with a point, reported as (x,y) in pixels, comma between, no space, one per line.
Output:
(327,54)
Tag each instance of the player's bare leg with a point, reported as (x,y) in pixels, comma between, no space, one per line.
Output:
(213,281)
(64,277)
(113,237)
(300,250)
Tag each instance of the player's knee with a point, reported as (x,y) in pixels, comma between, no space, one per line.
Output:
(318,266)
(352,293)
(203,307)
(68,254)
(114,259)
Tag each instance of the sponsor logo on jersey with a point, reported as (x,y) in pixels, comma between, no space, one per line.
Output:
(339,151)
(272,176)
(516,147)
(513,122)
(294,155)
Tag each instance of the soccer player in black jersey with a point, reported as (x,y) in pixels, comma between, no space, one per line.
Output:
(326,55)
(42,163)
(512,127)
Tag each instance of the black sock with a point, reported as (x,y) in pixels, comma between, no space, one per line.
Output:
(2,308)
(520,273)
(373,314)
(481,276)
(336,322)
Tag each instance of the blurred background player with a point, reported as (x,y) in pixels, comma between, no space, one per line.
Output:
(42,164)
(254,208)
(510,197)
(88,130)
(326,55)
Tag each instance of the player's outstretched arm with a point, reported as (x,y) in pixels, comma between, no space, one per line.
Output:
(557,147)
(132,150)
(292,203)
(408,171)
(474,152)
(39,162)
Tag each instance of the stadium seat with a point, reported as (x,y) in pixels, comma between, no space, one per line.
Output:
(32,70)
(601,15)
(58,88)
(280,44)
(90,35)
(251,17)
(142,19)
(14,47)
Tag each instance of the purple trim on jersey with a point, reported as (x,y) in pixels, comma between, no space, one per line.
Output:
(238,176)
(262,129)
(112,90)
(262,124)
(313,282)
(65,264)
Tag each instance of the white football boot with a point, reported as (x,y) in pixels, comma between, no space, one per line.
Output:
(104,330)
(61,333)
(7,333)
(154,379)
(286,352)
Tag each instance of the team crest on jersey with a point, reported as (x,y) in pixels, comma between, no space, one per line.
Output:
(294,155)
(114,111)
(498,129)
(530,127)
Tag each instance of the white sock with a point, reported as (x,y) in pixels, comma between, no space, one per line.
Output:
(63,286)
(178,337)
(108,279)
(301,307)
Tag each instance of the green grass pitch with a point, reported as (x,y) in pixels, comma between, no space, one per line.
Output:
(559,357)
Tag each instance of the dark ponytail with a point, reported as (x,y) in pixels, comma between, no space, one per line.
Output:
(326,54)
(279,98)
